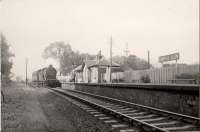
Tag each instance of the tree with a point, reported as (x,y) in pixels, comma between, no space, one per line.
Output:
(69,59)
(56,50)
(61,52)
(6,62)
(131,61)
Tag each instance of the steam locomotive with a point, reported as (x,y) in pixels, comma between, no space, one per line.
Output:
(46,77)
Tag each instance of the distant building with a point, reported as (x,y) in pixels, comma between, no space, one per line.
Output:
(95,71)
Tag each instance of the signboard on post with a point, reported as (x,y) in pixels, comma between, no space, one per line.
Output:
(170,57)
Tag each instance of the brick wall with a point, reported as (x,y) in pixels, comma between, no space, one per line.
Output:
(182,99)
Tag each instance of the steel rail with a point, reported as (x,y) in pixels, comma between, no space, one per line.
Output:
(113,112)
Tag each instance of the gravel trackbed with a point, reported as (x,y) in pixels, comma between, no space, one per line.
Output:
(28,109)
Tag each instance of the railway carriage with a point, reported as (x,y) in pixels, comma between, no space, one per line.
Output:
(46,77)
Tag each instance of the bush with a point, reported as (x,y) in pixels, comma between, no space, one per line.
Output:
(145,79)
(186,76)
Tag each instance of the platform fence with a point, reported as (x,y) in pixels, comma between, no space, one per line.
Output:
(159,75)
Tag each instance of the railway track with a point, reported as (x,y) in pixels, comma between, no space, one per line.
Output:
(127,117)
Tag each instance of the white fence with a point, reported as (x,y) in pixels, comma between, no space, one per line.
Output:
(159,75)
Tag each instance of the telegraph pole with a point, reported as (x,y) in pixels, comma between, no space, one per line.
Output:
(99,80)
(126,51)
(148,59)
(26,71)
(111,59)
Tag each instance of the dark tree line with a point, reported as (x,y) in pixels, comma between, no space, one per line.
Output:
(6,62)
(69,59)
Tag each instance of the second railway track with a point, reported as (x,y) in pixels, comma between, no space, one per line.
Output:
(134,116)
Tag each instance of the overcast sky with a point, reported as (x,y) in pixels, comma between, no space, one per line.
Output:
(161,26)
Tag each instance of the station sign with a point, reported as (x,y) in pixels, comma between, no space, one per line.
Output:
(170,57)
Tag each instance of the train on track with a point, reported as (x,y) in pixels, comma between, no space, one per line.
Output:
(46,77)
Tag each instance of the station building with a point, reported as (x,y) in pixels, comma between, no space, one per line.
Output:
(95,71)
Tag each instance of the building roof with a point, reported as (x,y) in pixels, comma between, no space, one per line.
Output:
(78,68)
(93,63)
(89,62)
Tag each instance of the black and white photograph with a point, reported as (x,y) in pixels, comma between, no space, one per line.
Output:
(100,65)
